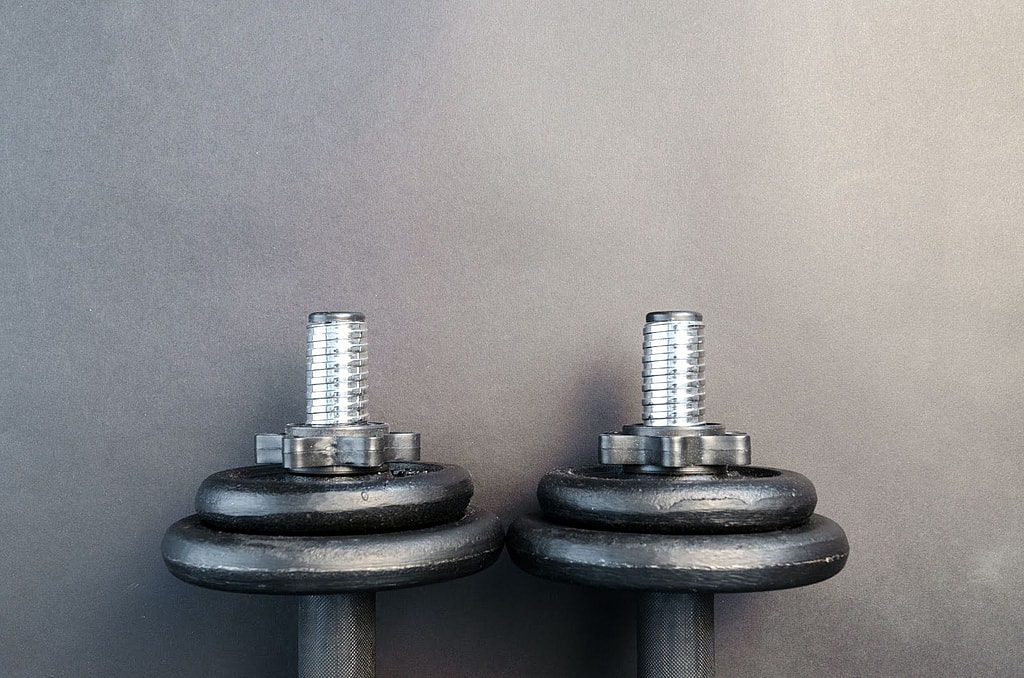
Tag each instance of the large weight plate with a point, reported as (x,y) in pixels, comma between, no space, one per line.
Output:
(759,561)
(253,563)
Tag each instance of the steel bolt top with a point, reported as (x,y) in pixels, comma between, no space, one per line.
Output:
(673,373)
(336,438)
(336,368)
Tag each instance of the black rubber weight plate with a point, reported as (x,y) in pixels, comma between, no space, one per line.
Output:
(270,500)
(758,561)
(748,499)
(253,563)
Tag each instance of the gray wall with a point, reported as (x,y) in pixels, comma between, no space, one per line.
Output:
(506,189)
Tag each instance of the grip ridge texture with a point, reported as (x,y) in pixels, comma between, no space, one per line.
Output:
(676,635)
(337,636)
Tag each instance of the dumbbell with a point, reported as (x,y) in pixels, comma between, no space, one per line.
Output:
(336,509)
(675,512)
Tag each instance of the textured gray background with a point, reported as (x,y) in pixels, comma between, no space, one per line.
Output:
(505,189)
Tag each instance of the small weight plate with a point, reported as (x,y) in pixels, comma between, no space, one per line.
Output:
(758,561)
(747,499)
(268,499)
(308,564)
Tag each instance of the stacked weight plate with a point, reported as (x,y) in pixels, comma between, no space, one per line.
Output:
(335,540)
(679,539)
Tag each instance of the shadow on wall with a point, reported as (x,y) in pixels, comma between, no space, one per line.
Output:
(600,402)
(202,632)
(569,631)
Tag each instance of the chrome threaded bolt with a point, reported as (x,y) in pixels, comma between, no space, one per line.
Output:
(674,436)
(673,375)
(336,438)
(336,369)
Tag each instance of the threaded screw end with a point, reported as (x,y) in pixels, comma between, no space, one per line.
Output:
(673,374)
(336,368)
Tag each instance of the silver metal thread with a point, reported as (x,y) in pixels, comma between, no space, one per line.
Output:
(673,384)
(336,368)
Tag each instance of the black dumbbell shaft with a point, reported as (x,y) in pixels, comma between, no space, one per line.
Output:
(675,635)
(337,635)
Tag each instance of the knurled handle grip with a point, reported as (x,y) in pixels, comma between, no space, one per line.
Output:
(337,636)
(676,635)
